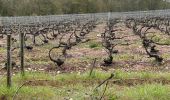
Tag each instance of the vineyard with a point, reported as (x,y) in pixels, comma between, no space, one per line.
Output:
(99,56)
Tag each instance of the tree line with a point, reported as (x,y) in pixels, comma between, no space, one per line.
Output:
(49,7)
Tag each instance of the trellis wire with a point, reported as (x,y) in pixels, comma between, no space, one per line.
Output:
(26,20)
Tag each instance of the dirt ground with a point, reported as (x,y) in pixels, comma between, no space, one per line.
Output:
(131,55)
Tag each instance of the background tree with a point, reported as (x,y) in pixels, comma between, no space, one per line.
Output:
(48,7)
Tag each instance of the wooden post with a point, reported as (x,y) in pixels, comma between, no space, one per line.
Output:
(22,53)
(9,60)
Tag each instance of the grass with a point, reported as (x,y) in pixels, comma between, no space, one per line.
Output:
(27,92)
(147,92)
(157,38)
(127,57)
(39,62)
(92,44)
(166,55)
(162,40)
(97,74)
(80,90)
(2,50)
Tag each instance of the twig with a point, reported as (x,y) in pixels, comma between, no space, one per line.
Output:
(104,90)
(2,68)
(19,89)
(94,63)
(111,76)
